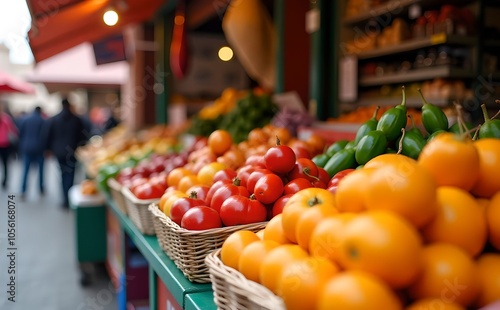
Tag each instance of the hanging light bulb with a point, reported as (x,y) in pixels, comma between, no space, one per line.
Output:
(110,17)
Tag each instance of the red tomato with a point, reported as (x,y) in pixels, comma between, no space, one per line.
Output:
(280,159)
(226,191)
(332,189)
(280,204)
(244,172)
(181,205)
(256,160)
(201,218)
(136,181)
(254,177)
(148,191)
(304,168)
(160,180)
(224,174)
(323,175)
(319,184)
(334,181)
(239,210)
(213,189)
(200,190)
(296,185)
(301,152)
(269,188)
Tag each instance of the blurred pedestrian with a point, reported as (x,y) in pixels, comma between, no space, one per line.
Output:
(31,147)
(65,131)
(8,139)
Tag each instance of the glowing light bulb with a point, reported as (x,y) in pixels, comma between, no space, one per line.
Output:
(225,53)
(110,18)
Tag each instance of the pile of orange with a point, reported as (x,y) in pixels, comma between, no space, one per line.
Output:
(398,233)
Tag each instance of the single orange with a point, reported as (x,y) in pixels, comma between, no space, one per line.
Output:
(187,181)
(452,160)
(384,244)
(488,182)
(303,280)
(300,202)
(309,220)
(276,260)
(176,175)
(251,258)
(326,237)
(404,188)
(448,273)
(350,196)
(489,275)
(460,220)
(220,141)
(274,230)
(233,246)
(357,290)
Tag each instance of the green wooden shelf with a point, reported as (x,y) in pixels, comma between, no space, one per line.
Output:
(200,301)
(163,266)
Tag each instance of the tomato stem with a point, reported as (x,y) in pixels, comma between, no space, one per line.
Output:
(307,172)
(278,142)
(193,195)
(237,181)
(485,113)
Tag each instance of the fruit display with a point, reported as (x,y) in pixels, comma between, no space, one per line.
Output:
(406,210)
(414,230)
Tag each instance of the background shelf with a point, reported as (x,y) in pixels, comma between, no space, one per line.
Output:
(416,75)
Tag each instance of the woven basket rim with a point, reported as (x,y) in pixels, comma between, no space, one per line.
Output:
(239,284)
(114,184)
(132,198)
(154,208)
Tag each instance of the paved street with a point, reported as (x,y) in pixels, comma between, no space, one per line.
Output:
(47,270)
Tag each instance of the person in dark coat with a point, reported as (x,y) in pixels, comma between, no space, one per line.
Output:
(31,147)
(65,131)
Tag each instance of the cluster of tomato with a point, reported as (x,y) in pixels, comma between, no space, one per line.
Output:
(398,232)
(218,195)
(147,180)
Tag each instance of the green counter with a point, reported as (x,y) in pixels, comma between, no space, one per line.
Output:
(162,266)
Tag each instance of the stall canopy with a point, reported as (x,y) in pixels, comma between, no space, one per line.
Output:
(60,25)
(10,84)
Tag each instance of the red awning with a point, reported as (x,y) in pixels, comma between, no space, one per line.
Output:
(60,25)
(10,84)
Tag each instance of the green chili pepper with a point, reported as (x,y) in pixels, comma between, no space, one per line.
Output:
(371,145)
(335,147)
(321,159)
(343,159)
(411,144)
(490,128)
(433,117)
(414,128)
(393,120)
(455,128)
(434,134)
(369,125)
(350,145)
(390,151)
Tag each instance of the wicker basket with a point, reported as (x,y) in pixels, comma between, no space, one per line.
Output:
(188,248)
(233,291)
(115,189)
(137,210)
